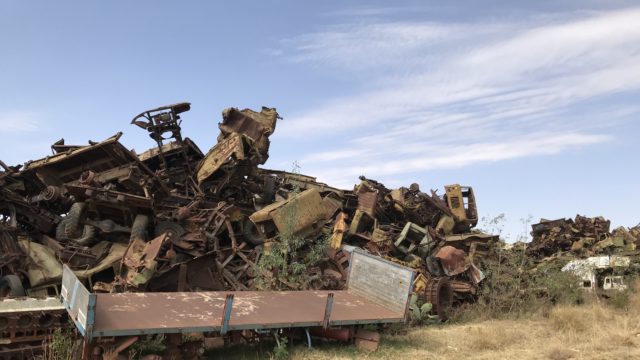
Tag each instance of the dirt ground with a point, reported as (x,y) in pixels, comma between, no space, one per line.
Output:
(591,331)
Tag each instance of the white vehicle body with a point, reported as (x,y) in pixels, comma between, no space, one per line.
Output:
(588,271)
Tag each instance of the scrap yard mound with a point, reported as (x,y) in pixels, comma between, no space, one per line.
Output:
(174,218)
(583,236)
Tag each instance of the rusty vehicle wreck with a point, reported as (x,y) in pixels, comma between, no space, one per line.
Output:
(177,219)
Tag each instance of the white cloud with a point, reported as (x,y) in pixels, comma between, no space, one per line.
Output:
(485,91)
(18,121)
(370,45)
(423,157)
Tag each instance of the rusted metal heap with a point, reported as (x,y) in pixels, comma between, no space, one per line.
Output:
(581,237)
(176,218)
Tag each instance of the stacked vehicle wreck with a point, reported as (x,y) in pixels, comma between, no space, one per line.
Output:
(582,237)
(176,219)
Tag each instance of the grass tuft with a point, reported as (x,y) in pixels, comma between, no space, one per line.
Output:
(559,354)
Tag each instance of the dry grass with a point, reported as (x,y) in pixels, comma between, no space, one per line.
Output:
(560,354)
(587,332)
(590,331)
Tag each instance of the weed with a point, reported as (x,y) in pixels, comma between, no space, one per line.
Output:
(620,299)
(514,287)
(146,346)
(289,258)
(420,311)
(280,351)
(60,346)
(570,319)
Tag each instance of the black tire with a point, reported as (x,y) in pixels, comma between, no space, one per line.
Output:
(251,234)
(139,227)
(434,267)
(88,236)
(60,231)
(73,219)
(11,286)
(269,190)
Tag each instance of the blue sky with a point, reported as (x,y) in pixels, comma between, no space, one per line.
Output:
(534,104)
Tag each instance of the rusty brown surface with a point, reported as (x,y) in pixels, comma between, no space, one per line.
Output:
(454,261)
(26,323)
(251,309)
(367,340)
(582,236)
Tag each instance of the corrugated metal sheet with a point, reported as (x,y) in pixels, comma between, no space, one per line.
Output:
(381,281)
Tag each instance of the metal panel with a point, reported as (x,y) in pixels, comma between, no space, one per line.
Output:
(27,321)
(30,304)
(218,155)
(380,281)
(78,301)
(67,166)
(183,312)
(378,293)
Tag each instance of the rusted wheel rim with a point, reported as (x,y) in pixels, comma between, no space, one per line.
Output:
(440,295)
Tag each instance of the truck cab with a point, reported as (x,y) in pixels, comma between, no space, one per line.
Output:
(614,283)
(462,203)
(600,273)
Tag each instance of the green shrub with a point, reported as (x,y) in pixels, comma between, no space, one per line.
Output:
(280,351)
(285,266)
(515,287)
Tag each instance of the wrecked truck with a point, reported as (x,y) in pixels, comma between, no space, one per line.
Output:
(600,274)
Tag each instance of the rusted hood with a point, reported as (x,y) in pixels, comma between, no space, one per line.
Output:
(454,261)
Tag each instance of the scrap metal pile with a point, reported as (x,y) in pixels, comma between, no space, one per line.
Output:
(176,219)
(583,237)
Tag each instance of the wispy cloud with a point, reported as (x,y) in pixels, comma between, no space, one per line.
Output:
(18,121)
(373,45)
(423,157)
(484,91)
